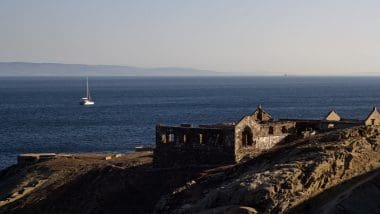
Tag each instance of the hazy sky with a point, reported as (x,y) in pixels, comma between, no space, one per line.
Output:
(268,36)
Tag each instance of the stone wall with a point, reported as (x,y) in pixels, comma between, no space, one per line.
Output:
(373,118)
(252,137)
(332,116)
(305,125)
(193,145)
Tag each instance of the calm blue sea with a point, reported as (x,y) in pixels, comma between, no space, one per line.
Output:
(43,115)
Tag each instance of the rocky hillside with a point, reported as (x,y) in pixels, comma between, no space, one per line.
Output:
(336,172)
(324,174)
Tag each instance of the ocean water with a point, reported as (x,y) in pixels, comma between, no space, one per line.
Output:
(42,114)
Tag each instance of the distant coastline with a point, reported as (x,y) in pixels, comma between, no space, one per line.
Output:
(60,69)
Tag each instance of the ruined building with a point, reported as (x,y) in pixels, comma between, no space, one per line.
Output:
(231,142)
(334,121)
(219,143)
(373,118)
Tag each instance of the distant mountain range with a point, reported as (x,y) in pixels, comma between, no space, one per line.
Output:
(58,69)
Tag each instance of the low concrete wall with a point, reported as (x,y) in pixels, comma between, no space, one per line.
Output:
(30,158)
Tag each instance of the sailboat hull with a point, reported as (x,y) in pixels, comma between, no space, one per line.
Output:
(86,102)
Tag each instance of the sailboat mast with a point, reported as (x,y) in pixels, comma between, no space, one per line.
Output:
(87,89)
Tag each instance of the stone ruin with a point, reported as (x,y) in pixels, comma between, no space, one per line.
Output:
(230,143)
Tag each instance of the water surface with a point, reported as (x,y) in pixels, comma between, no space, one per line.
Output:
(43,115)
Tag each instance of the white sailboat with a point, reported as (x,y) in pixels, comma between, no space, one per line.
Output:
(86,101)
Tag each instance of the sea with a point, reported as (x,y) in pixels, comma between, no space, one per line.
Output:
(42,114)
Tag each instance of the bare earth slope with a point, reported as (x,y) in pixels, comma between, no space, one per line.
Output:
(335,172)
(88,184)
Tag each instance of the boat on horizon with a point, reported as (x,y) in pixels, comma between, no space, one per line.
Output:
(86,101)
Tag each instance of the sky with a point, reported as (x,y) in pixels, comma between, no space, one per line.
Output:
(319,37)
